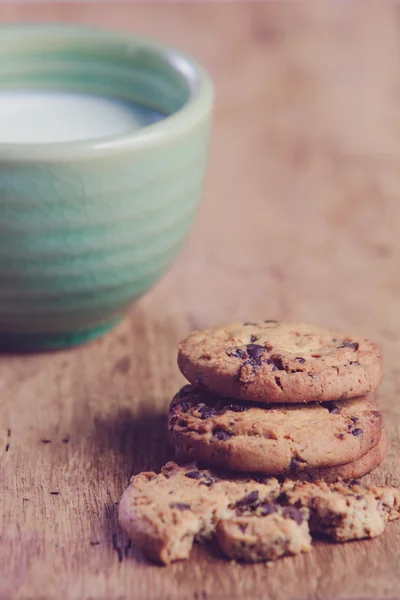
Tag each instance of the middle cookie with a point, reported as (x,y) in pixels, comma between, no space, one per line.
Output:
(271,439)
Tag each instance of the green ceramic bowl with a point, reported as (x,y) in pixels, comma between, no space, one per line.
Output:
(87,227)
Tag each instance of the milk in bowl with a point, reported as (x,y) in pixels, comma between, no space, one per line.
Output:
(28,117)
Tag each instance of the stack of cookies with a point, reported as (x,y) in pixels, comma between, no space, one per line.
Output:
(276,417)
(279,399)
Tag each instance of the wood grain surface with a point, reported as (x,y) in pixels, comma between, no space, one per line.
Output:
(300,220)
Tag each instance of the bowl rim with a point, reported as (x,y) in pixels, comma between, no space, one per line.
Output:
(194,111)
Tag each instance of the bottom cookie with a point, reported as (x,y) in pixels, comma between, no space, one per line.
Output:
(352,470)
(165,513)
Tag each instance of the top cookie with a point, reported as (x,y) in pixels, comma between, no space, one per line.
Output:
(272,361)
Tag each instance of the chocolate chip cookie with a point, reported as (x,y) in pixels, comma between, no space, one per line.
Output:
(164,513)
(339,511)
(344,511)
(269,438)
(270,532)
(271,361)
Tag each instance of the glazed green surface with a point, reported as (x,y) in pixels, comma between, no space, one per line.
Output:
(85,229)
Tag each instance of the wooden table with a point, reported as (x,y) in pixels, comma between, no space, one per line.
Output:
(300,220)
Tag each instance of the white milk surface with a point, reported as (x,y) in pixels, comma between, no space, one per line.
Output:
(30,117)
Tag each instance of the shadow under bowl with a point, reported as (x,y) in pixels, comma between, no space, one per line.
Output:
(87,227)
